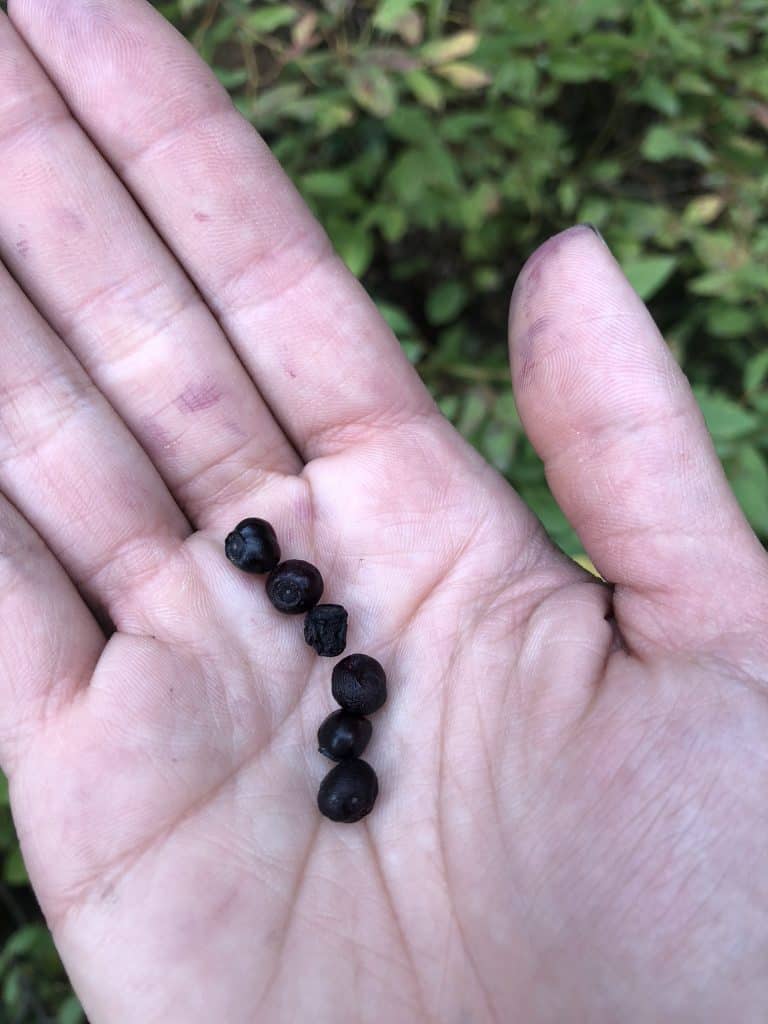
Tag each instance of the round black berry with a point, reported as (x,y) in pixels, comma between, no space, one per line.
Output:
(359,684)
(252,546)
(348,792)
(325,629)
(343,735)
(294,586)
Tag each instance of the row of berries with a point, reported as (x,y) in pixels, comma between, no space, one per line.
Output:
(358,683)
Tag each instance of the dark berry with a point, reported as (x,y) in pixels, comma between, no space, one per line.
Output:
(348,792)
(252,546)
(325,629)
(359,684)
(294,586)
(343,735)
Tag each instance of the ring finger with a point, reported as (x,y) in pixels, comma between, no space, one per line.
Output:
(74,471)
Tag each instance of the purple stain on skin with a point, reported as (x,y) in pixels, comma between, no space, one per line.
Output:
(530,275)
(22,247)
(533,268)
(156,437)
(196,397)
(70,222)
(233,428)
(524,301)
(524,350)
(202,217)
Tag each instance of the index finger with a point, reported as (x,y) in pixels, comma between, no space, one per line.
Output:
(322,357)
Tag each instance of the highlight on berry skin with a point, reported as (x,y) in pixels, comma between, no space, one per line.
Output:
(343,735)
(348,792)
(252,546)
(294,586)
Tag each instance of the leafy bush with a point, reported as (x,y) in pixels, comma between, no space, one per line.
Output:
(440,141)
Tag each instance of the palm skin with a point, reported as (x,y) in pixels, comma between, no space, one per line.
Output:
(571,818)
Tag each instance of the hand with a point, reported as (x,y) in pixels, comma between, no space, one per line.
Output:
(571,824)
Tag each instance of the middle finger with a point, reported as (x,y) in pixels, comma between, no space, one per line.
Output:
(84,252)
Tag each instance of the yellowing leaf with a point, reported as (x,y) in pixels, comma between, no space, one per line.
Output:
(303,30)
(585,563)
(410,28)
(703,209)
(464,76)
(442,50)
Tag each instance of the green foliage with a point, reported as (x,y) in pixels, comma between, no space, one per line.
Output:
(439,143)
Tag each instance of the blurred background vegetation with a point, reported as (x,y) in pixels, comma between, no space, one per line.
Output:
(438,143)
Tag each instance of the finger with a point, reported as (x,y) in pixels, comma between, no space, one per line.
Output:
(49,642)
(626,450)
(84,252)
(322,357)
(73,470)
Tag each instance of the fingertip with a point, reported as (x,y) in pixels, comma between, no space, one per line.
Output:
(567,248)
(568,285)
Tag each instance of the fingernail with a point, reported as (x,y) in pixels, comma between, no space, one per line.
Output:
(592,227)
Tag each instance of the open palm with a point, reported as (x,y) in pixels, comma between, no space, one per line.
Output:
(571,824)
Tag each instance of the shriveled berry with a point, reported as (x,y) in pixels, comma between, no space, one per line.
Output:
(343,735)
(294,586)
(325,629)
(252,546)
(348,792)
(359,684)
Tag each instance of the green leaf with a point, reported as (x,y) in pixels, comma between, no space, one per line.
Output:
(718,283)
(372,88)
(13,987)
(231,78)
(275,101)
(269,19)
(31,940)
(413,348)
(574,67)
(748,475)
(396,317)
(648,274)
(14,869)
(540,499)
(4,798)
(427,90)
(390,12)
(656,93)
(392,222)
(756,371)
(355,246)
(726,321)
(666,143)
(726,420)
(70,1012)
(445,302)
(326,183)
